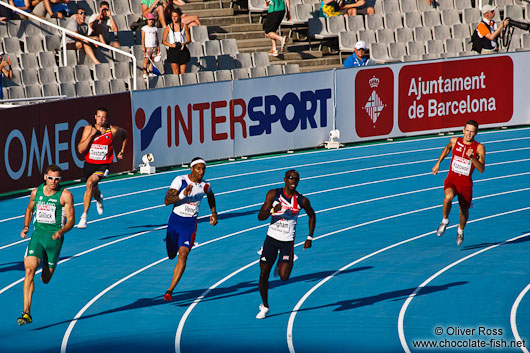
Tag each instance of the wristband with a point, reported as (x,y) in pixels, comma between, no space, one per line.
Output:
(309,237)
(181,195)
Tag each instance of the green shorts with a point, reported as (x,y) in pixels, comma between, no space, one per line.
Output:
(42,244)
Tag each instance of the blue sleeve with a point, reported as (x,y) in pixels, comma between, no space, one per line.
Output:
(349,61)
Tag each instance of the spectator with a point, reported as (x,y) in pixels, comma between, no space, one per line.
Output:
(102,23)
(358,7)
(5,13)
(52,8)
(150,45)
(329,8)
(488,31)
(176,36)
(157,8)
(190,20)
(77,24)
(23,5)
(272,22)
(5,70)
(359,57)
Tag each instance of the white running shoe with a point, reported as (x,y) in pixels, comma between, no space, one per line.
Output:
(263,310)
(82,223)
(441,229)
(99,205)
(459,239)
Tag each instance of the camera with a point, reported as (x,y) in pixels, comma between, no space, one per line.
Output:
(518,24)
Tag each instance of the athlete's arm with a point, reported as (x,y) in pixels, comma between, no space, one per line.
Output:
(265,210)
(172,195)
(86,139)
(479,158)
(444,154)
(118,131)
(306,205)
(67,201)
(211,203)
(28,214)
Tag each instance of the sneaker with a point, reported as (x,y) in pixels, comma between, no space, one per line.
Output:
(168,296)
(82,223)
(283,41)
(263,310)
(273,52)
(99,205)
(441,229)
(24,319)
(145,76)
(459,239)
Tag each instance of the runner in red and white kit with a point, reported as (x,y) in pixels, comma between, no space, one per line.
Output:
(468,155)
(96,146)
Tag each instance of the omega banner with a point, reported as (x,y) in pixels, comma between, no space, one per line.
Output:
(36,136)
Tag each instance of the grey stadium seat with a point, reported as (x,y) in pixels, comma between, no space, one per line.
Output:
(15,92)
(188,78)
(29,77)
(118,85)
(223,75)
(441,32)
(101,87)
(274,70)
(397,50)
(33,44)
(404,35)
(393,20)
(205,76)
(122,70)
(391,6)
(195,49)
(83,89)
(336,24)
(193,65)
(416,48)
(435,47)
(450,17)
(243,60)
(47,59)
(65,74)
(374,22)
(171,80)
(229,46)
(460,31)
(409,6)
(50,90)
(258,72)
(102,72)
(34,91)
(208,63)
(422,34)
(260,59)
(47,75)
(240,74)
(355,23)
(454,45)
(29,61)
(155,82)
(385,36)
(212,48)
(291,68)
(225,62)
(82,73)
(199,34)
(431,18)
(15,28)
(413,20)
(347,42)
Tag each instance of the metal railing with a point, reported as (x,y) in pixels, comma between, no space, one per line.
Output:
(65,31)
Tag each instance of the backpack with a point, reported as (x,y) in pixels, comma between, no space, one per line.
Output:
(476,42)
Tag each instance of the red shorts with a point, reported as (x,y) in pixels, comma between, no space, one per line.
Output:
(464,192)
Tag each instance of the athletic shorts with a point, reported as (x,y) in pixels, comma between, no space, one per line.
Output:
(100,169)
(181,231)
(464,192)
(273,21)
(271,247)
(41,243)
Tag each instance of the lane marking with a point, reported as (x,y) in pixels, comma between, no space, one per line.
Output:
(513,316)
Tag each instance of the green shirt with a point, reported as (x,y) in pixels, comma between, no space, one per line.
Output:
(276,5)
(49,215)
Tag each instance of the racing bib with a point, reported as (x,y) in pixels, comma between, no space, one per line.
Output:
(45,214)
(281,226)
(461,165)
(98,152)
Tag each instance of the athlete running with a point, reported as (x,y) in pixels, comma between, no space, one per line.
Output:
(96,146)
(53,207)
(185,194)
(468,154)
(284,206)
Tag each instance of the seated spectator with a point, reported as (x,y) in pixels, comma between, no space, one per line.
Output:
(51,8)
(359,57)
(157,8)
(5,70)
(176,37)
(189,20)
(101,24)
(24,5)
(150,45)
(77,24)
(358,7)
(329,8)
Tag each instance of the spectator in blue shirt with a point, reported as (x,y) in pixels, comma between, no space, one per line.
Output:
(358,58)
(5,70)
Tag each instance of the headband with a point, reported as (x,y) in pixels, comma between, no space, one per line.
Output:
(197,162)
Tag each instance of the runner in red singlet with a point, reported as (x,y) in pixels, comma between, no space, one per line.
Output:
(468,154)
(96,146)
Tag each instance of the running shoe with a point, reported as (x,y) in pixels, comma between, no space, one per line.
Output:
(459,239)
(283,41)
(168,296)
(273,52)
(99,205)
(25,318)
(263,310)
(82,222)
(441,229)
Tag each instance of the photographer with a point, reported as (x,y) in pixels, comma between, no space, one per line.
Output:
(101,24)
(5,70)
(488,31)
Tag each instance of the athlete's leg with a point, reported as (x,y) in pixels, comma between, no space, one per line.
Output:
(179,267)
(265,271)
(284,270)
(31,263)
(47,271)
(92,190)
(464,215)
(448,202)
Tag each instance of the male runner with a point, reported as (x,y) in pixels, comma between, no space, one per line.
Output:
(468,154)
(186,193)
(52,205)
(283,205)
(96,146)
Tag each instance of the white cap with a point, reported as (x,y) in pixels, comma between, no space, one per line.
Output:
(360,45)
(487,8)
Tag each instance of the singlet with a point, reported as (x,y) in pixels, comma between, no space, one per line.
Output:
(461,166)
(275,5)
(189,206)
(283,222)
(176,37)
(49,214)
(100,151)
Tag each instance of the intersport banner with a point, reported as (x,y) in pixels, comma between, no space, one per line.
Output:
(36,136)
(230,119)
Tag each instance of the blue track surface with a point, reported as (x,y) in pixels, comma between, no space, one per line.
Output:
(356,290)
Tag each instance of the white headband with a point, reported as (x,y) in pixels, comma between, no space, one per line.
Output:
(197,162)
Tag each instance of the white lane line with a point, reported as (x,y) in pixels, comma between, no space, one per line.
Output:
(513,316)
(403,310)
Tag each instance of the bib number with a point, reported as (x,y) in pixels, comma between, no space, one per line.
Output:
(45,214)
(461,165)
(98,152)
(281,226)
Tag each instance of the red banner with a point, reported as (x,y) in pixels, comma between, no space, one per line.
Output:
(447,94)
(36,136)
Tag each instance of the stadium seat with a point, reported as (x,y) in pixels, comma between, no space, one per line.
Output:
(514,12)
(461,31)
(462,4)
(450,17)
(291,68)
(102,72)
(368,36)
(413,20)
(65,74)
(260,59)
(122,70)
(188,78)
(223,75)
(47,75)
(83,89)
(391,7)
(416,48)
(374,22)
(29,77)
(199,34)
(52,42)
(256,6)
(431,18)
(336,24)
(120,7)
(50,90)
(155,82)
(195,49)
(453,45)
(193,65)
(12,46)
(208,63)
(347,42)
(441,32)
(471,16)
(422,34)
(435,47)
(274,70)
(243,60)
(82,73)
(444,4)
(258,72)
(409,6)
(118,85)
(29,61)
(397,50)
(225,62)
(47,59)
(15,28)
(15,92)
(229,46)
(241,73)
(385,36)
(404,35)
(393,20)
(140,83)
(423,6)
(33,91)
(101,87)
(355,23)
(205,76)
(379,52)
(171,80)
(212,48)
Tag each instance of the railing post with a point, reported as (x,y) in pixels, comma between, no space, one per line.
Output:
(65,57)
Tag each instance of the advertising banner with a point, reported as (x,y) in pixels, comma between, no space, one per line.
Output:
(36,136)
